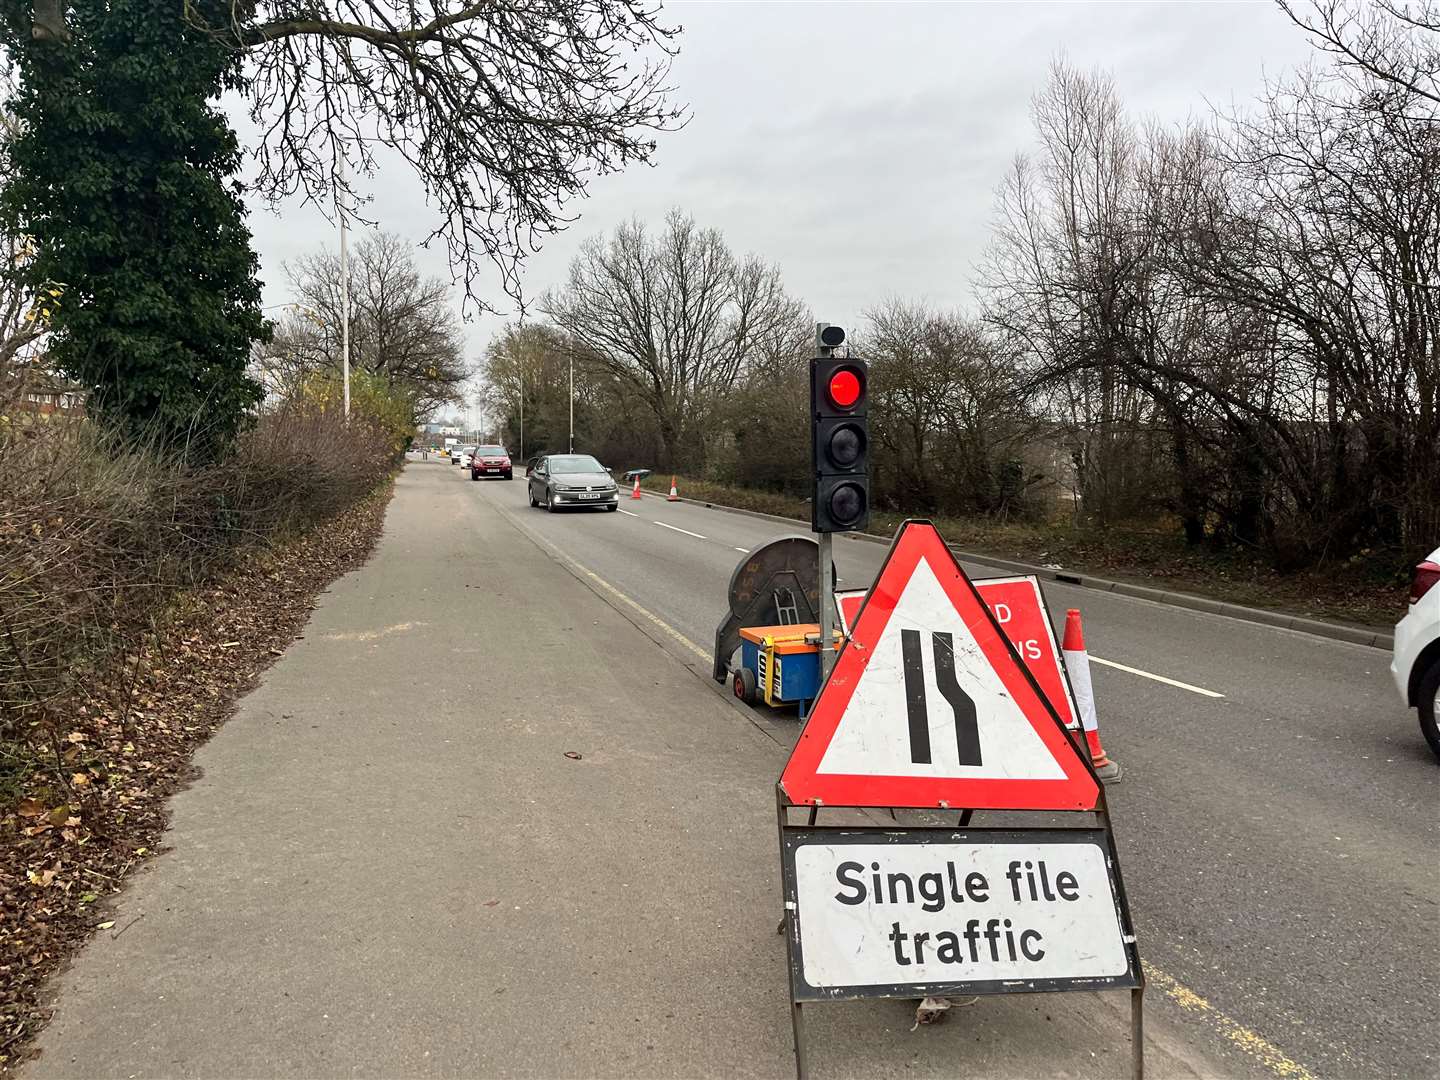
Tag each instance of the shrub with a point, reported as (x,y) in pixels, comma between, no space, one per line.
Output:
(97,536)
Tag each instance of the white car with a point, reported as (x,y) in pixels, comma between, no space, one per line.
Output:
(460,455)
(1415,665)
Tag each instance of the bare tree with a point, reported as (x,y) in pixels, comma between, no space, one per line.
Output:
(950,409)
(1391,41)
(1329,231)
(1057,273)
(503,111)
(676,318)
(403,325)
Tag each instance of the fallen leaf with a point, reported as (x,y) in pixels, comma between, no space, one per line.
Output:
(490,903)
(76,736)
(105,925)
(79,779)
(30,808)
(572,755)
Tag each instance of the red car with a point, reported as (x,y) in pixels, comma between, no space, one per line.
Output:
(490,461)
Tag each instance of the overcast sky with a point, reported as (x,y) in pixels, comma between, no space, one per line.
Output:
(859,145)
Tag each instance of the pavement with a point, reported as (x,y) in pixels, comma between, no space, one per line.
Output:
(390,867)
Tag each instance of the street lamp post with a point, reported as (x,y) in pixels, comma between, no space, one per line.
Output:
(572,403)
(344,294)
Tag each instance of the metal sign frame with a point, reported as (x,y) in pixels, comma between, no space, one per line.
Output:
(1101,829)
(1096,828)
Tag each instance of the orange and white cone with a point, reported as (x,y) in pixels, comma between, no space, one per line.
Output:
(1077,666)
(635,493)
(674,495)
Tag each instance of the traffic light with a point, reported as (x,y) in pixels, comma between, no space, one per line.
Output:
(840,444)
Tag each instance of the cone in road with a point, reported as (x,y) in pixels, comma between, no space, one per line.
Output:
(1077,666)
(635,494)
(674,495)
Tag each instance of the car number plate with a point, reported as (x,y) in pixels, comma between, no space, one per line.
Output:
(491,470)
(590,495)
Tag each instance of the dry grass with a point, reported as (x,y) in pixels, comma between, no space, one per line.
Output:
(97,539)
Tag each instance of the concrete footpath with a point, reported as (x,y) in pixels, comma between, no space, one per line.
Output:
(390,867)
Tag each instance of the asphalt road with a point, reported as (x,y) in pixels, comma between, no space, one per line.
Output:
(1279,841)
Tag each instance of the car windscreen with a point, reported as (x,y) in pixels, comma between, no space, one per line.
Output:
(491,451)
(574,463)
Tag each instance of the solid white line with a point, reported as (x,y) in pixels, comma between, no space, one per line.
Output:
(626,512)
(745,550)
(676,528)
(1158,678)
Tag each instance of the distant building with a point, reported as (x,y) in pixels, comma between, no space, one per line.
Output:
(43,394)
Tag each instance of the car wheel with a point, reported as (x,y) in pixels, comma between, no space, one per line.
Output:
(474,476)
(550,504)
(531,492)
(743,684)
(509,476)
(1429,701)
(611,508)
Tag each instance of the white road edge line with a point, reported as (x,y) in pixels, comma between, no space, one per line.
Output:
(677,528)
(627,513)
(1158,678)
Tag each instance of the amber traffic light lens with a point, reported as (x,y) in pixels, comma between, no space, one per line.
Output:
(846,445)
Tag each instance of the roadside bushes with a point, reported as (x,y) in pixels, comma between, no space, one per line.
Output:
(98,536)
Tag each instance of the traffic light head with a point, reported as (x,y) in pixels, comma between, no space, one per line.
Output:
(840,441)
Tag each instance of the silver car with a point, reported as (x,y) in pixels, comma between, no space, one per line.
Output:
(569,481)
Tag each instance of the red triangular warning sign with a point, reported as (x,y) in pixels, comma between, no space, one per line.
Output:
(929,705)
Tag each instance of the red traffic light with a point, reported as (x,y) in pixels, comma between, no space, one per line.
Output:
(844,388)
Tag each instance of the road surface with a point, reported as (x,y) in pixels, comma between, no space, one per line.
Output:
(1277,822)
(392,865)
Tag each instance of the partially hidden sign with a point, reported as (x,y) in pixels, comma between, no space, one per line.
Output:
(1019,607)
(929,705)
(935,911)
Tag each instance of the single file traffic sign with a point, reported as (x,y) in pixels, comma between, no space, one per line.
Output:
(920,912)
(929,704)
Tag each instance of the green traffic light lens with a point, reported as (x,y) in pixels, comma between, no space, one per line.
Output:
(847,504)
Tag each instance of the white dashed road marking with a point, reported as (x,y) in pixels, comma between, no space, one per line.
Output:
(1158,678)
(677,528)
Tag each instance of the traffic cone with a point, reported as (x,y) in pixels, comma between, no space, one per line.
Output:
(1077,666)
(636,493)
(674,495)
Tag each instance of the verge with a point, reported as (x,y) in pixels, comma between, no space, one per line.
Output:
(98,809)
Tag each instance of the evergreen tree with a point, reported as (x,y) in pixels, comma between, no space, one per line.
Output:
(123,177)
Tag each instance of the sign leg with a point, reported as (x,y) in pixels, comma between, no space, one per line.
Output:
(797,1021)
(1137,1033)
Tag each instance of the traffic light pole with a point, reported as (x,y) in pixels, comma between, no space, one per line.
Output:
(827,607)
